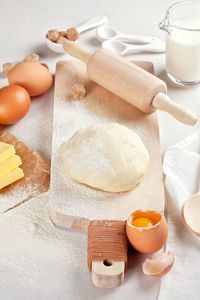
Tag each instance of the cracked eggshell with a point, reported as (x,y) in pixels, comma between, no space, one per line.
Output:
(159,265)
(147,239)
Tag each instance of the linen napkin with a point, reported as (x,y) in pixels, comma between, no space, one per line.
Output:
(181,167)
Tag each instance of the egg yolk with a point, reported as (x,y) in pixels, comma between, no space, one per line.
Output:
(142,222)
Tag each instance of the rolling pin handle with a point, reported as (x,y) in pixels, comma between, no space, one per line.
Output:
(163,102)
(75,50)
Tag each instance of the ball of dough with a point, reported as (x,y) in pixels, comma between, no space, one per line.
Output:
(109,157)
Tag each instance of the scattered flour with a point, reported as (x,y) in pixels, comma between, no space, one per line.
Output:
(35,255)
(18,196)
(38,261)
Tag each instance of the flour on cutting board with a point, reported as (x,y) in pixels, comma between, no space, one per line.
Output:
(68,118)
(71,198)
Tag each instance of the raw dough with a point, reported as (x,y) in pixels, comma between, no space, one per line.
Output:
(109,157)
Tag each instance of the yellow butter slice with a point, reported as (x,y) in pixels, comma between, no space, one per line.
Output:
(10,164)
(11,177)
(6,151)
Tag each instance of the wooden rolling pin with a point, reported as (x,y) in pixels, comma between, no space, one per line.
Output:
(128,81)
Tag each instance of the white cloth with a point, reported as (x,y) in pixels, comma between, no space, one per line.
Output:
(181,167)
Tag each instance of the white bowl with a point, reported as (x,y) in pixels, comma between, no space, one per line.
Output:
(55,47)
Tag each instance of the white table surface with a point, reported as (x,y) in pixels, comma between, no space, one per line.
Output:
(23,26)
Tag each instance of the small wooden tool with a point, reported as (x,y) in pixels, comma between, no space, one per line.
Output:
(128,81)
(107,247)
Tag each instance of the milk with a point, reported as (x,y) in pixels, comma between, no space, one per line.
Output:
(183,51)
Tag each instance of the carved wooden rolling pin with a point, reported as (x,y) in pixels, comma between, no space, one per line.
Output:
(128,81)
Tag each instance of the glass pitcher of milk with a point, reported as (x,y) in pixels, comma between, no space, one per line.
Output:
(182,24)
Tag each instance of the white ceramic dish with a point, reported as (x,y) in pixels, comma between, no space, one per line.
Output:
(104,33)
(89,24)
(122,48)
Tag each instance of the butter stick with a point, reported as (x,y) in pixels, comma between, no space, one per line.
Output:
(11,177)
(6,151)
(10,164)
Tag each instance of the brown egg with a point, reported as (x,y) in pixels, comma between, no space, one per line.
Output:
(147,230)
(14,104)
(32,76)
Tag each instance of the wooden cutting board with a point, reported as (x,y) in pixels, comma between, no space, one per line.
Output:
(72,205)
(100,106)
